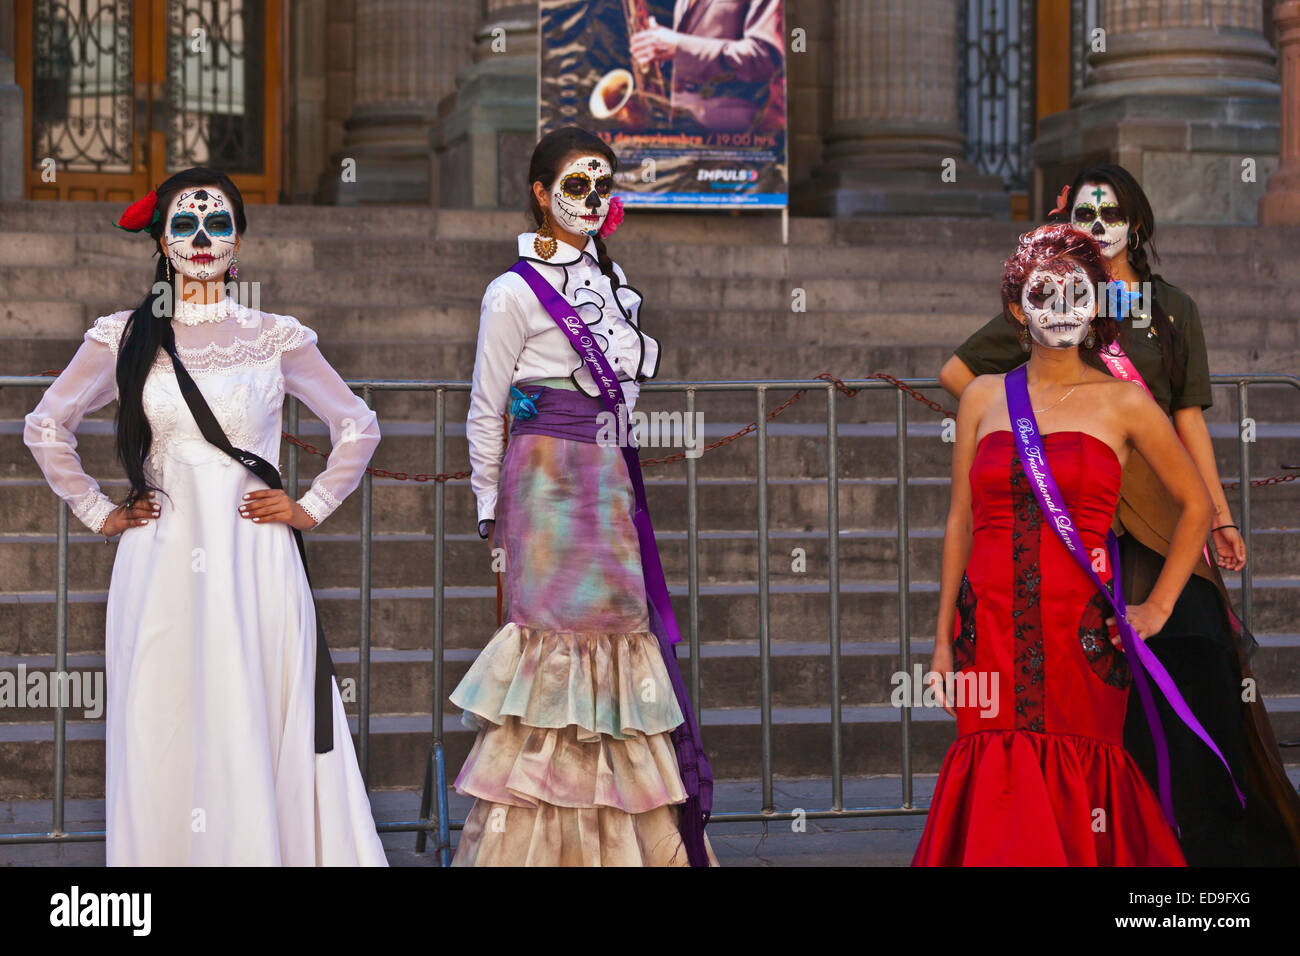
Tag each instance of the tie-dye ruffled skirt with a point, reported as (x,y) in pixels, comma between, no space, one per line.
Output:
(573,764)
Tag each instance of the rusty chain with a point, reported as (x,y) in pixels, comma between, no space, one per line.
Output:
(747,430)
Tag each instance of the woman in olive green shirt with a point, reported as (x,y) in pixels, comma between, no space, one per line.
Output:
(1202,645)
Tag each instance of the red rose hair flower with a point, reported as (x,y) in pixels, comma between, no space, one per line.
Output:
(613,218)
(141,214)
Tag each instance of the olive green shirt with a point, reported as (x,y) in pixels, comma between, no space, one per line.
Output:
(995,348)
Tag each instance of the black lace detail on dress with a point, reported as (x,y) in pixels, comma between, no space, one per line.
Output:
(1026,611)
(1106,660)
(963,645)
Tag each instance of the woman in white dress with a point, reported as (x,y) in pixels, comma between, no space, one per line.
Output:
(211,643)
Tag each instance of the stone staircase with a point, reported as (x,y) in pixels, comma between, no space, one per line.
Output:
(394,293)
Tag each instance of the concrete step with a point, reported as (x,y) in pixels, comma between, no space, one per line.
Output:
(399,746)
(402,617)
(27,562)
(401,682)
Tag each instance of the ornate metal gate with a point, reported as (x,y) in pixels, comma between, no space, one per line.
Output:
(996,96)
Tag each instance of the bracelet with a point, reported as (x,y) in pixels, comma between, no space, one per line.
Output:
(1222,526)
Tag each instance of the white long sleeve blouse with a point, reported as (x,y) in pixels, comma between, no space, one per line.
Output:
(237,356)
(519,343)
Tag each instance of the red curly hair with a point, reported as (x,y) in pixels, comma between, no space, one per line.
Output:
(1056,248)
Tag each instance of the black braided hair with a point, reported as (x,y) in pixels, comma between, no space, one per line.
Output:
(144,331)
(1142,227)
(549,156)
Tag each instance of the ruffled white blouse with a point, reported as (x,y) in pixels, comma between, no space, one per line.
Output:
(244,362)
(519,343)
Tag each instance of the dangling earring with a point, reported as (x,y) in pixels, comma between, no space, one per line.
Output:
(1134,240)
(169,269)
(1023,335)
(234,267)
(1090,340)
(545,243)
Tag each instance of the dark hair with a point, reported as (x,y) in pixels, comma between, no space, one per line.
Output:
(548,158)
(144,331)
(1136,207)
(1053,247)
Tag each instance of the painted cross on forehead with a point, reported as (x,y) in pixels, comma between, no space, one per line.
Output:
(1102,218)
(200,234)
(580,194)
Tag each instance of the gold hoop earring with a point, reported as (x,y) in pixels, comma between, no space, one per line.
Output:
(545,243)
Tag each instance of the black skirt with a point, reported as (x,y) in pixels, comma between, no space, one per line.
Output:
(1198,648)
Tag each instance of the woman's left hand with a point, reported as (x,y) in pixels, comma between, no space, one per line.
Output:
(1230,548)
(273,504)
(1145,619)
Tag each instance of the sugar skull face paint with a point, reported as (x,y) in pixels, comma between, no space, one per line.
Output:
(1096,211)
(580,194)
(200,233)
(1059,307)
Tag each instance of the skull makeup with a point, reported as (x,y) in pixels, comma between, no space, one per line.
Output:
(200,233)
(1096,211)
(580,195)
(1059,307)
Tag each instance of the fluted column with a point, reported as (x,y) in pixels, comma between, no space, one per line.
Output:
(407,55)
(1280,205)
(486,130)
(894,118)
(13,164)
(1183,48)
(1184,91)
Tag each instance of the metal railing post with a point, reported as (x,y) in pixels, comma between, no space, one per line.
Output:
(833,587)
(1243,452)
(904,594)
(764,605)
(363,655)
(693,558)
(60,664)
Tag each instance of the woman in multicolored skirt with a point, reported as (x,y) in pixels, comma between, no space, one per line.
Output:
(576,762)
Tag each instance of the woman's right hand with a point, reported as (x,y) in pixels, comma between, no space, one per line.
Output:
(122,517)
(940,668)
(491,528)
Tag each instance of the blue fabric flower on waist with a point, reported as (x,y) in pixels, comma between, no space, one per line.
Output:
(521,405)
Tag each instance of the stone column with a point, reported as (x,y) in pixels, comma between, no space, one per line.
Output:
(894,119)
(486,130)
(1280,206)
(407,54)
(13,126)
(1183,92)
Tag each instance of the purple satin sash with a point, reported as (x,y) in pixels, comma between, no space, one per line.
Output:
(697,775)
(561,413)
(1142,661)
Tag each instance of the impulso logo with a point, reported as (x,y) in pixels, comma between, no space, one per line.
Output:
(733,179)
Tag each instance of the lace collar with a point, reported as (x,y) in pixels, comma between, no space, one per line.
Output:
(194,313)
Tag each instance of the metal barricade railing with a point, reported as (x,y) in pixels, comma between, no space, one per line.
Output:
(434,815)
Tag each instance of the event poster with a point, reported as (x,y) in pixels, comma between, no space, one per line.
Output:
(690,94)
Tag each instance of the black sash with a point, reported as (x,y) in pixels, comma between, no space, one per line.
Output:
(263,469)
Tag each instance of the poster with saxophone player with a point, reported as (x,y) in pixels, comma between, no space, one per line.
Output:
(690,94)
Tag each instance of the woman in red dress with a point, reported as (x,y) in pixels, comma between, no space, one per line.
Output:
(1038,775)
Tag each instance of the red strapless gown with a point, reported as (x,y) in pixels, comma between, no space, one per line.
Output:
(1038,775)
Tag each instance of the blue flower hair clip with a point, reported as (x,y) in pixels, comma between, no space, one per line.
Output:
(521,405)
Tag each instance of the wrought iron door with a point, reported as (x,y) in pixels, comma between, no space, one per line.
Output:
(121,93)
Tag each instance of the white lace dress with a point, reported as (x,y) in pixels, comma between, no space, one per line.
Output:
(210,647)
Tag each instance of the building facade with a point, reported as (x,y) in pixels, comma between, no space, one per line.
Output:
(434,102)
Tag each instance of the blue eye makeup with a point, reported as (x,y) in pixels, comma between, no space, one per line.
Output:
(184,224)
(219,224)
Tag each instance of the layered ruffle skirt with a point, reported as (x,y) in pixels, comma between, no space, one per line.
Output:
(573,764)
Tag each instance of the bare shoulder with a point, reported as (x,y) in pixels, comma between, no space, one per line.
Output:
(982,391)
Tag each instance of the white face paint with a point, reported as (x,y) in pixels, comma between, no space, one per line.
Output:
(1096,211)
(580,194)
(200,233)
(1059,307)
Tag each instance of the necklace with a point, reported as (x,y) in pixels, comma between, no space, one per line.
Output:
(1059,400)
